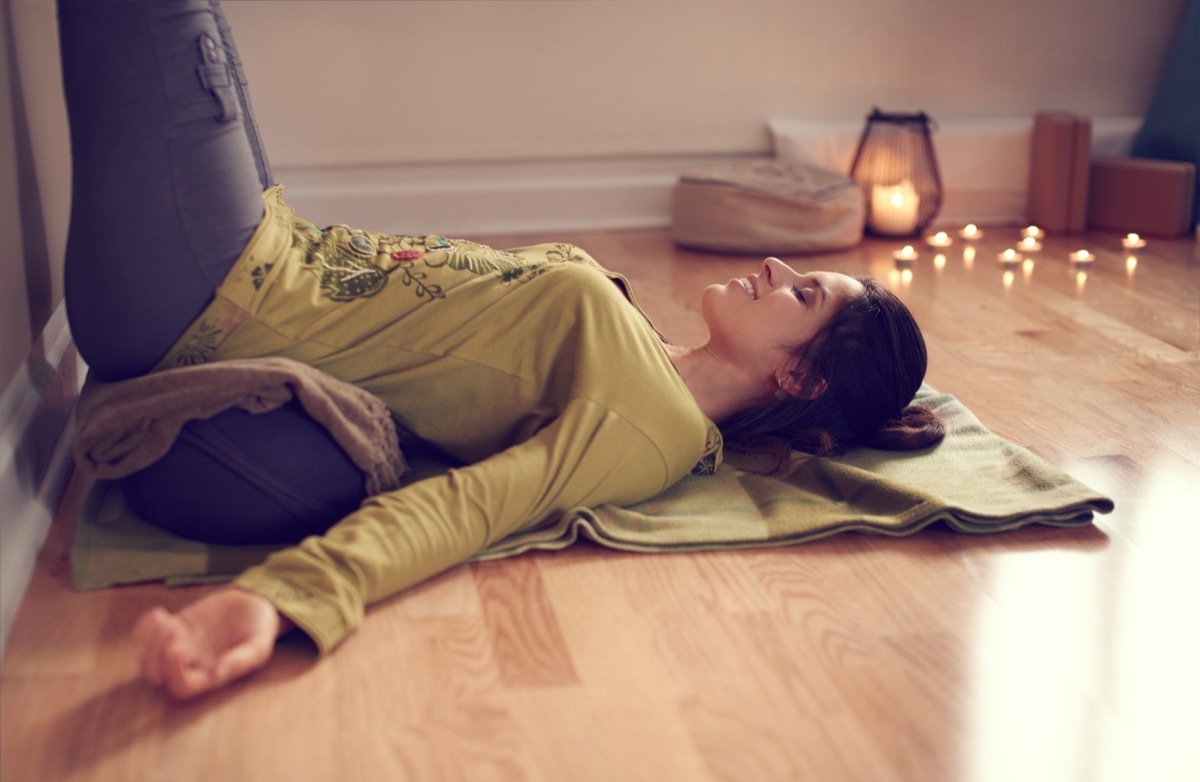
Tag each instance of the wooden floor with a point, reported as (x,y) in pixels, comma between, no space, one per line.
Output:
(1040,654)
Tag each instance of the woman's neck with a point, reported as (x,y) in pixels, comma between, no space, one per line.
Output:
(719,388)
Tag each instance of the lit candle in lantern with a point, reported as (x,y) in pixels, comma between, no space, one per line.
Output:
(971,232)
(1133,242)
(1030,245)
(894,209)
(1009,257)
(939,239)
(1082,258)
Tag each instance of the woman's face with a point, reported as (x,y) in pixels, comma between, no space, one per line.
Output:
(765,317)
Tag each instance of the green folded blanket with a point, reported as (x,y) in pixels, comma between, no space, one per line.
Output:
(973,481)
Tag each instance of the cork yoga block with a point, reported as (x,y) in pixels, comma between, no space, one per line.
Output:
(1058,171)
(1142,195)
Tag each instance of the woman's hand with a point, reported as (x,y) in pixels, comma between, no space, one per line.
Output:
(212,642)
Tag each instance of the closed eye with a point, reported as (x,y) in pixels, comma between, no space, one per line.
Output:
(799,293)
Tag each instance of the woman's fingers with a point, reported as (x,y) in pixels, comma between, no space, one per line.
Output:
(212,642)
(170,658)
(155,634)
(184,677)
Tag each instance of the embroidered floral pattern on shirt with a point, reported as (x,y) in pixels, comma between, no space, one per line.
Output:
(349,264)
(259,273)
(201,344)
(463,255)
(713,446)
(204,337)
(352,264)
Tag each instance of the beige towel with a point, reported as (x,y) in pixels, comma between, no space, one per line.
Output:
(126,426)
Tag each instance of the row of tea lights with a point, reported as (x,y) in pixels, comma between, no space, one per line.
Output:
(1030,244)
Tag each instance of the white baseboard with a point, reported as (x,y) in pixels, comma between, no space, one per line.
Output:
(463,199)
(35,457)
(984,166)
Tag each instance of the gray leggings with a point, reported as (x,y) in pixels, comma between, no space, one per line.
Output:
(168,170)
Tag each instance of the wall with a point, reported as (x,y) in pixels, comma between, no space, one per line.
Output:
(473,115)
(467,116)
(366,82)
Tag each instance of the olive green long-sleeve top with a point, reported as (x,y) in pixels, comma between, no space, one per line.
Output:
(534,367)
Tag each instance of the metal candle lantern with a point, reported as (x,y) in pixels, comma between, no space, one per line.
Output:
(897,170)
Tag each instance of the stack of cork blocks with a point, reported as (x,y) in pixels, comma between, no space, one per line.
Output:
(1071,191)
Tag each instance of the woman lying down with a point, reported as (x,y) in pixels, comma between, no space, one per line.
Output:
(534,368)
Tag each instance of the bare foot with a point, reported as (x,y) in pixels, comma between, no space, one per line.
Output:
(212,642)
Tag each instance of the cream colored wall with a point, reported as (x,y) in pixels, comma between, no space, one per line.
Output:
(342,83)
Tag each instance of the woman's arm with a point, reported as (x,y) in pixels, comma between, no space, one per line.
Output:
(587,456)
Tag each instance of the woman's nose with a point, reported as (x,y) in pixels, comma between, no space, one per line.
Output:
(776,270)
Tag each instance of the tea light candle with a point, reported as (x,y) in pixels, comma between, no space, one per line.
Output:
(939,239)
(894,209)
(1034,232)
(971,232)
(906,255)
(1133,242)
(1082,258)
(1009,257)
(1030,245)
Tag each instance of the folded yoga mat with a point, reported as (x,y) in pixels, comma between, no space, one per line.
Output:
(974,482)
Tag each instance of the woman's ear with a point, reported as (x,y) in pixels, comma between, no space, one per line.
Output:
(791,383)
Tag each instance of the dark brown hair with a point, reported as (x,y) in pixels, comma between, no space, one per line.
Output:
(858,376)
